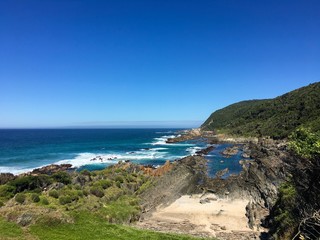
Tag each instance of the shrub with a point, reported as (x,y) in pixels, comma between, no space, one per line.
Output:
(20,198)
(105,183)
(53,193)
(85,192)
(62,177)
(30,182)
(44,201)
(7,191)
(98,192)
(80,193)
(64,200)
(35,197)
(305,143)
(1,204)
(85,172)
(119,179)
(73,194)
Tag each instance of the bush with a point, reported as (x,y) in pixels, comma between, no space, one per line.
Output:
(1,204)
(7,191)
(44,201)
(30,182)
(20,198)
(73,194)
(35,197)
(119,179)
(85,192)
(98,192)
(105,183)
(64,200)
(62,177)
(85,172)
(53,193)
(305,143)
(80,193)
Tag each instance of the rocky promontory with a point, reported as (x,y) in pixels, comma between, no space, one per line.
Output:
(185,136)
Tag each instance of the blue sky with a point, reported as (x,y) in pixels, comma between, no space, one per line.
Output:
(144,62)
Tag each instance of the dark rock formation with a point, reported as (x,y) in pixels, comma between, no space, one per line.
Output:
(50,169)
(221,173)
(205,151)
(6,177)
(259,179)
(230,151)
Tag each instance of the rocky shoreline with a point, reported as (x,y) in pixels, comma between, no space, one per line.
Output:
(257,184)
(258,181)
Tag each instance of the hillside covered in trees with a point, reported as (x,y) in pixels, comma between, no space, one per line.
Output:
(276,117)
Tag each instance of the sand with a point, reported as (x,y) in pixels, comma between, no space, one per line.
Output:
(188,215)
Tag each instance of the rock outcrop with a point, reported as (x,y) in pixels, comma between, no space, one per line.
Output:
(184,177)
(185,136)
(50,169)
(259,180)
(6,177)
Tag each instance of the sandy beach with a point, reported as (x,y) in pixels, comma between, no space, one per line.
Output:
(213,217)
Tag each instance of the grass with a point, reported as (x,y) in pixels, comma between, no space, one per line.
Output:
(86,226)
(10,230)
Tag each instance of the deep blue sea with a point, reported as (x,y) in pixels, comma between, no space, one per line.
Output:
(22,150)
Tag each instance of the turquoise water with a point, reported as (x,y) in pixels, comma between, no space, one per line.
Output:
(24,150)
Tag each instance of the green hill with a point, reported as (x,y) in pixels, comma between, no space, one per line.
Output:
(276,117)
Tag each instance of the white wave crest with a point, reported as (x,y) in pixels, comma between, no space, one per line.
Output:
(193,150)
(15,170)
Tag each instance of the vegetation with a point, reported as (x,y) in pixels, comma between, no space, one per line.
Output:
(35,197)
(286,215)
(276,117)
(83,205)
(20,198)
(305,143)
(296,214)
(86,226)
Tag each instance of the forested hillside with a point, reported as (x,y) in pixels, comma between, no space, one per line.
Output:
(276,117)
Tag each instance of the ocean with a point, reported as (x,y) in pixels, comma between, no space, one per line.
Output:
(22,150)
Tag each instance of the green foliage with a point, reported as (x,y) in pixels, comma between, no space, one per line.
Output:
(73,194)
(124,209)
(30,182)
(20,198)
(35,197)
(97,191)
(7,191)
(144,186)
(85,172)
(9,230)
(286,214)
(44,201)
(1,204)
(105,183)
(276,117)
(113,193)
(305,143)
(53,193)
(65,200)
(62,177)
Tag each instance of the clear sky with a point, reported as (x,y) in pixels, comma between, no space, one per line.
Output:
(145,62)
